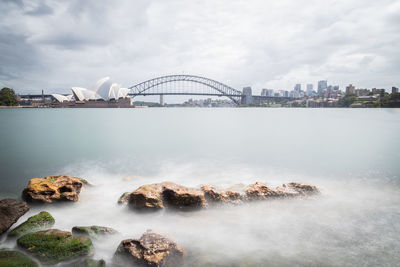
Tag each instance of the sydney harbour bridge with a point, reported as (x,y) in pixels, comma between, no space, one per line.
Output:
(195,85)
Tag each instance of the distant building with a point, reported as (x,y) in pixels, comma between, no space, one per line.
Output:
(270,92)
(395,90)
(297,87)
(350,90)
(322,86)
(310,89)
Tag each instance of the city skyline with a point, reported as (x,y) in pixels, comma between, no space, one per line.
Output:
(57,45)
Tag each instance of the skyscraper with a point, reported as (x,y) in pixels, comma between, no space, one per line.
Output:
(297,87)
(322,86)
(310,89)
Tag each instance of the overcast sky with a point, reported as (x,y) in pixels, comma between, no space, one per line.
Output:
(54,45)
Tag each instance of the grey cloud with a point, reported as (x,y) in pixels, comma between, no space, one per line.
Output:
(41,10)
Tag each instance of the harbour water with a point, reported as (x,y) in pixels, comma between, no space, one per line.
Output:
(352,155)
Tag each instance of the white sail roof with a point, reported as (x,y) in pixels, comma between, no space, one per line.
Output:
(60,98)
(103,89)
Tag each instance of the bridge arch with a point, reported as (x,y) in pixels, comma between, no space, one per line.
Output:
(152,87)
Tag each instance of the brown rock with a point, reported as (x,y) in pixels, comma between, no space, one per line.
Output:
(260,191)
(53,188)
(297,190)
(225,196)
(150,250)
(147,197)
(181,197)
(10,211)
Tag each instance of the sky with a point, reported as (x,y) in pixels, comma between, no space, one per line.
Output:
(55,45)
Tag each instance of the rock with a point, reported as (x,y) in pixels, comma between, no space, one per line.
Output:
(124,198)
(53,246)
(297,190)
(93,231)
(181,197)
(225,196)
(147,197)
(53,188)
(10,211)
(260,191)
(38,222)
(12,258)
(150,250)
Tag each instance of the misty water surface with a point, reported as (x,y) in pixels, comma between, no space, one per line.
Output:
(351,155)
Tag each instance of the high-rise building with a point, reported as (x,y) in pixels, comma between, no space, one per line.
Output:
(297,87)
(264,92)
(322,86)
(270,92)
(350,90)
(395,90)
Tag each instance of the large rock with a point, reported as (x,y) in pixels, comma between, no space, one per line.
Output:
(12,258)
(181,197)
(147,197)
(53,188)
(259,191)
(10,211)
(150,250)
(93,231)
(124,198)
(54,246)
(297,190)
(157,196)
(221,196)
(38,222)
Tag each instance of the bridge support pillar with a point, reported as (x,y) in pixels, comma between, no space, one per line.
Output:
(162,103)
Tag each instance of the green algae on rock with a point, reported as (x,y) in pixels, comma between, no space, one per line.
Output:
(91,263)
(12,258)
(53,246)
(93,231)
(124,198)
(38,222)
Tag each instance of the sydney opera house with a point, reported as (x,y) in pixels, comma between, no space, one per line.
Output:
(103,94)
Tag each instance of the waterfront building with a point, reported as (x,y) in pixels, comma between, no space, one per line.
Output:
(247,98)
(264,92)
(395,90)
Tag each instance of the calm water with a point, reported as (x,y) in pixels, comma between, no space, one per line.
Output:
(353,155)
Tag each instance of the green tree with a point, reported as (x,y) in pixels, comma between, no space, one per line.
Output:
(347,100)
(7,97)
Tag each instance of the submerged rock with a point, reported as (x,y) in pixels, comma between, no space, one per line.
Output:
(12,258)
(150,250)
(54,246)
(225,196)
(147,197)
(124,198)
(93,231)
(181,197)
(297,190)
(259,191)
(10,211)
(53,188)
(38,222)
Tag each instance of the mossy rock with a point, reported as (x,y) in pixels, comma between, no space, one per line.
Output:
(12,258)
(38,222)
(124,198)
(93,231)
(53,246)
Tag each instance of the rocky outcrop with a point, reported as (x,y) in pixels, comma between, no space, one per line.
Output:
(171,195)
(54,246)
(181,197)
(150,250)
(12,258)
(10,211)
(91,263)
(213,195)
(93,231)
(38,222)
(157,196)
(53,188)
(124,198)
(260,191)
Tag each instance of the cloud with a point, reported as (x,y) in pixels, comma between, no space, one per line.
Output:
(262,43)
